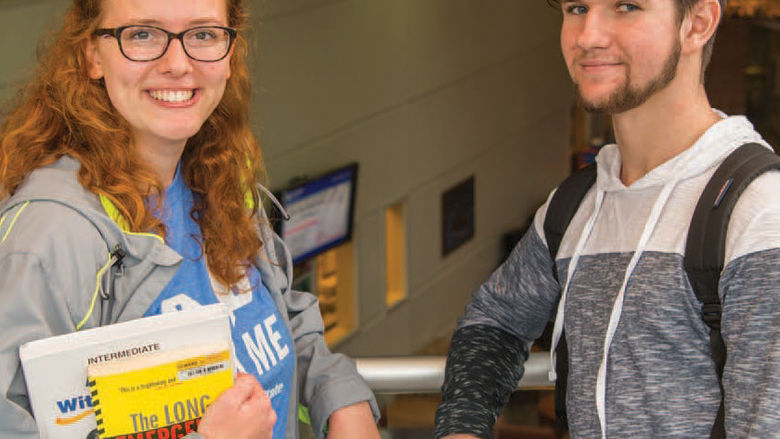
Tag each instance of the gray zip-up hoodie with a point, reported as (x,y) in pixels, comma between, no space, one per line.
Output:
(54,238)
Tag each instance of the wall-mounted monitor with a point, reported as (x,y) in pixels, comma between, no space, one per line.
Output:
(321,211)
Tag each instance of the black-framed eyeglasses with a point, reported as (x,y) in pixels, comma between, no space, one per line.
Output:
(148,43)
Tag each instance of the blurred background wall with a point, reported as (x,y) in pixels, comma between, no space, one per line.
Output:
(422,94)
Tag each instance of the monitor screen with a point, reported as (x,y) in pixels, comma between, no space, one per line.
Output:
(320,212)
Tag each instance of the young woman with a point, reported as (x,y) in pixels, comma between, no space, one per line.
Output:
(129,180)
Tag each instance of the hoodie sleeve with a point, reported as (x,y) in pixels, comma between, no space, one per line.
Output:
(487,351)
(521,295)
(42,272)
(326,381)
(750,291)
(484,365)
(22,287)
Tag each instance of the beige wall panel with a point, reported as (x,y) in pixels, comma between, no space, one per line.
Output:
(22,24)
(321,71)
(506,183)
(389,336)
(268,9)
(452,39)
(439,293)
(550,157)
(516,180)
(464,120)
(337,62)
(437,308)
(413,323)
(379,145)
(370,267)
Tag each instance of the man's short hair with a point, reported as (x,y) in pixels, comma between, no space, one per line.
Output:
(683,8)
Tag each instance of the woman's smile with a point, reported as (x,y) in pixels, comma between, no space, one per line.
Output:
(174,98)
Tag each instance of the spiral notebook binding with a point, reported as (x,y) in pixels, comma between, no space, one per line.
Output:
(96,404)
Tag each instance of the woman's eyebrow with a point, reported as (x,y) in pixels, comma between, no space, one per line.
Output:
(158,23)
(205,20)
(149,21)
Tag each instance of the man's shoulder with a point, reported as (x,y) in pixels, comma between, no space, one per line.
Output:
(755,222)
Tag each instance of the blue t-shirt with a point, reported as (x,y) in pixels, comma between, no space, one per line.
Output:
(263,344)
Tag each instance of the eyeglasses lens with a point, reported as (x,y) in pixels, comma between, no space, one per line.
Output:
(207,43)
(141,43)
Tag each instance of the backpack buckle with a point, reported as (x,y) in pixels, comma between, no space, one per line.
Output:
(711,313)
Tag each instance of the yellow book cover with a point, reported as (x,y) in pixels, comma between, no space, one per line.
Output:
(158,396)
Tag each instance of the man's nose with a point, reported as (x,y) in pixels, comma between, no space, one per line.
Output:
(596,32)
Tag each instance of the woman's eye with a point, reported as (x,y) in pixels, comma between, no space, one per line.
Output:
(140,35)
(205,35)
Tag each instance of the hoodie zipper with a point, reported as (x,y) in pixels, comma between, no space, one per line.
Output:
(107,296)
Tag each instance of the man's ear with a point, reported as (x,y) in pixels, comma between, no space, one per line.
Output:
(94,65)
(700,24)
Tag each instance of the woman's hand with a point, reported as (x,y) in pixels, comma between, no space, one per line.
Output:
(241,412)
(353,422)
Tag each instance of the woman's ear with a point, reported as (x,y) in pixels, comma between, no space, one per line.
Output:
(230,61)
(94,65)
(700,24)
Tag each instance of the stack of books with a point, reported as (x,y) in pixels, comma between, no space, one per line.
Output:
(146,378)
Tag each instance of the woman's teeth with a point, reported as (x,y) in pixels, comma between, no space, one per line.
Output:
(172,95)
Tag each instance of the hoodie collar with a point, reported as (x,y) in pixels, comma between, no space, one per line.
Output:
(717,142)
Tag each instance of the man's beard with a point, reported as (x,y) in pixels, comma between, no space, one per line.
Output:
(627,97)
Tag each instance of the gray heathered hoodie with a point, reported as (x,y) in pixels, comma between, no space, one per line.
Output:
(630,313)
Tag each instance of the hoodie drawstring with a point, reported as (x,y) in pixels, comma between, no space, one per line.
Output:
(559,315)
(617,308)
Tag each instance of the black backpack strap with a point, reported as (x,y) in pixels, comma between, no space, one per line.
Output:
(563,205)
(705,249)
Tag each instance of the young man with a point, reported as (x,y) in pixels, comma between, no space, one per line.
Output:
(640,363)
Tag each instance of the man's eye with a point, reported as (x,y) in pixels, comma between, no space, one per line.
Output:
(627,7)
(575,9)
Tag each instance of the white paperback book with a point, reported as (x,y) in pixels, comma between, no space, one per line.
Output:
(55,368)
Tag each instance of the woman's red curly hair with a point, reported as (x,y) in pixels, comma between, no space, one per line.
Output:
(63,112)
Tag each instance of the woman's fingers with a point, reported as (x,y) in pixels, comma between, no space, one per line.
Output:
(243,411)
